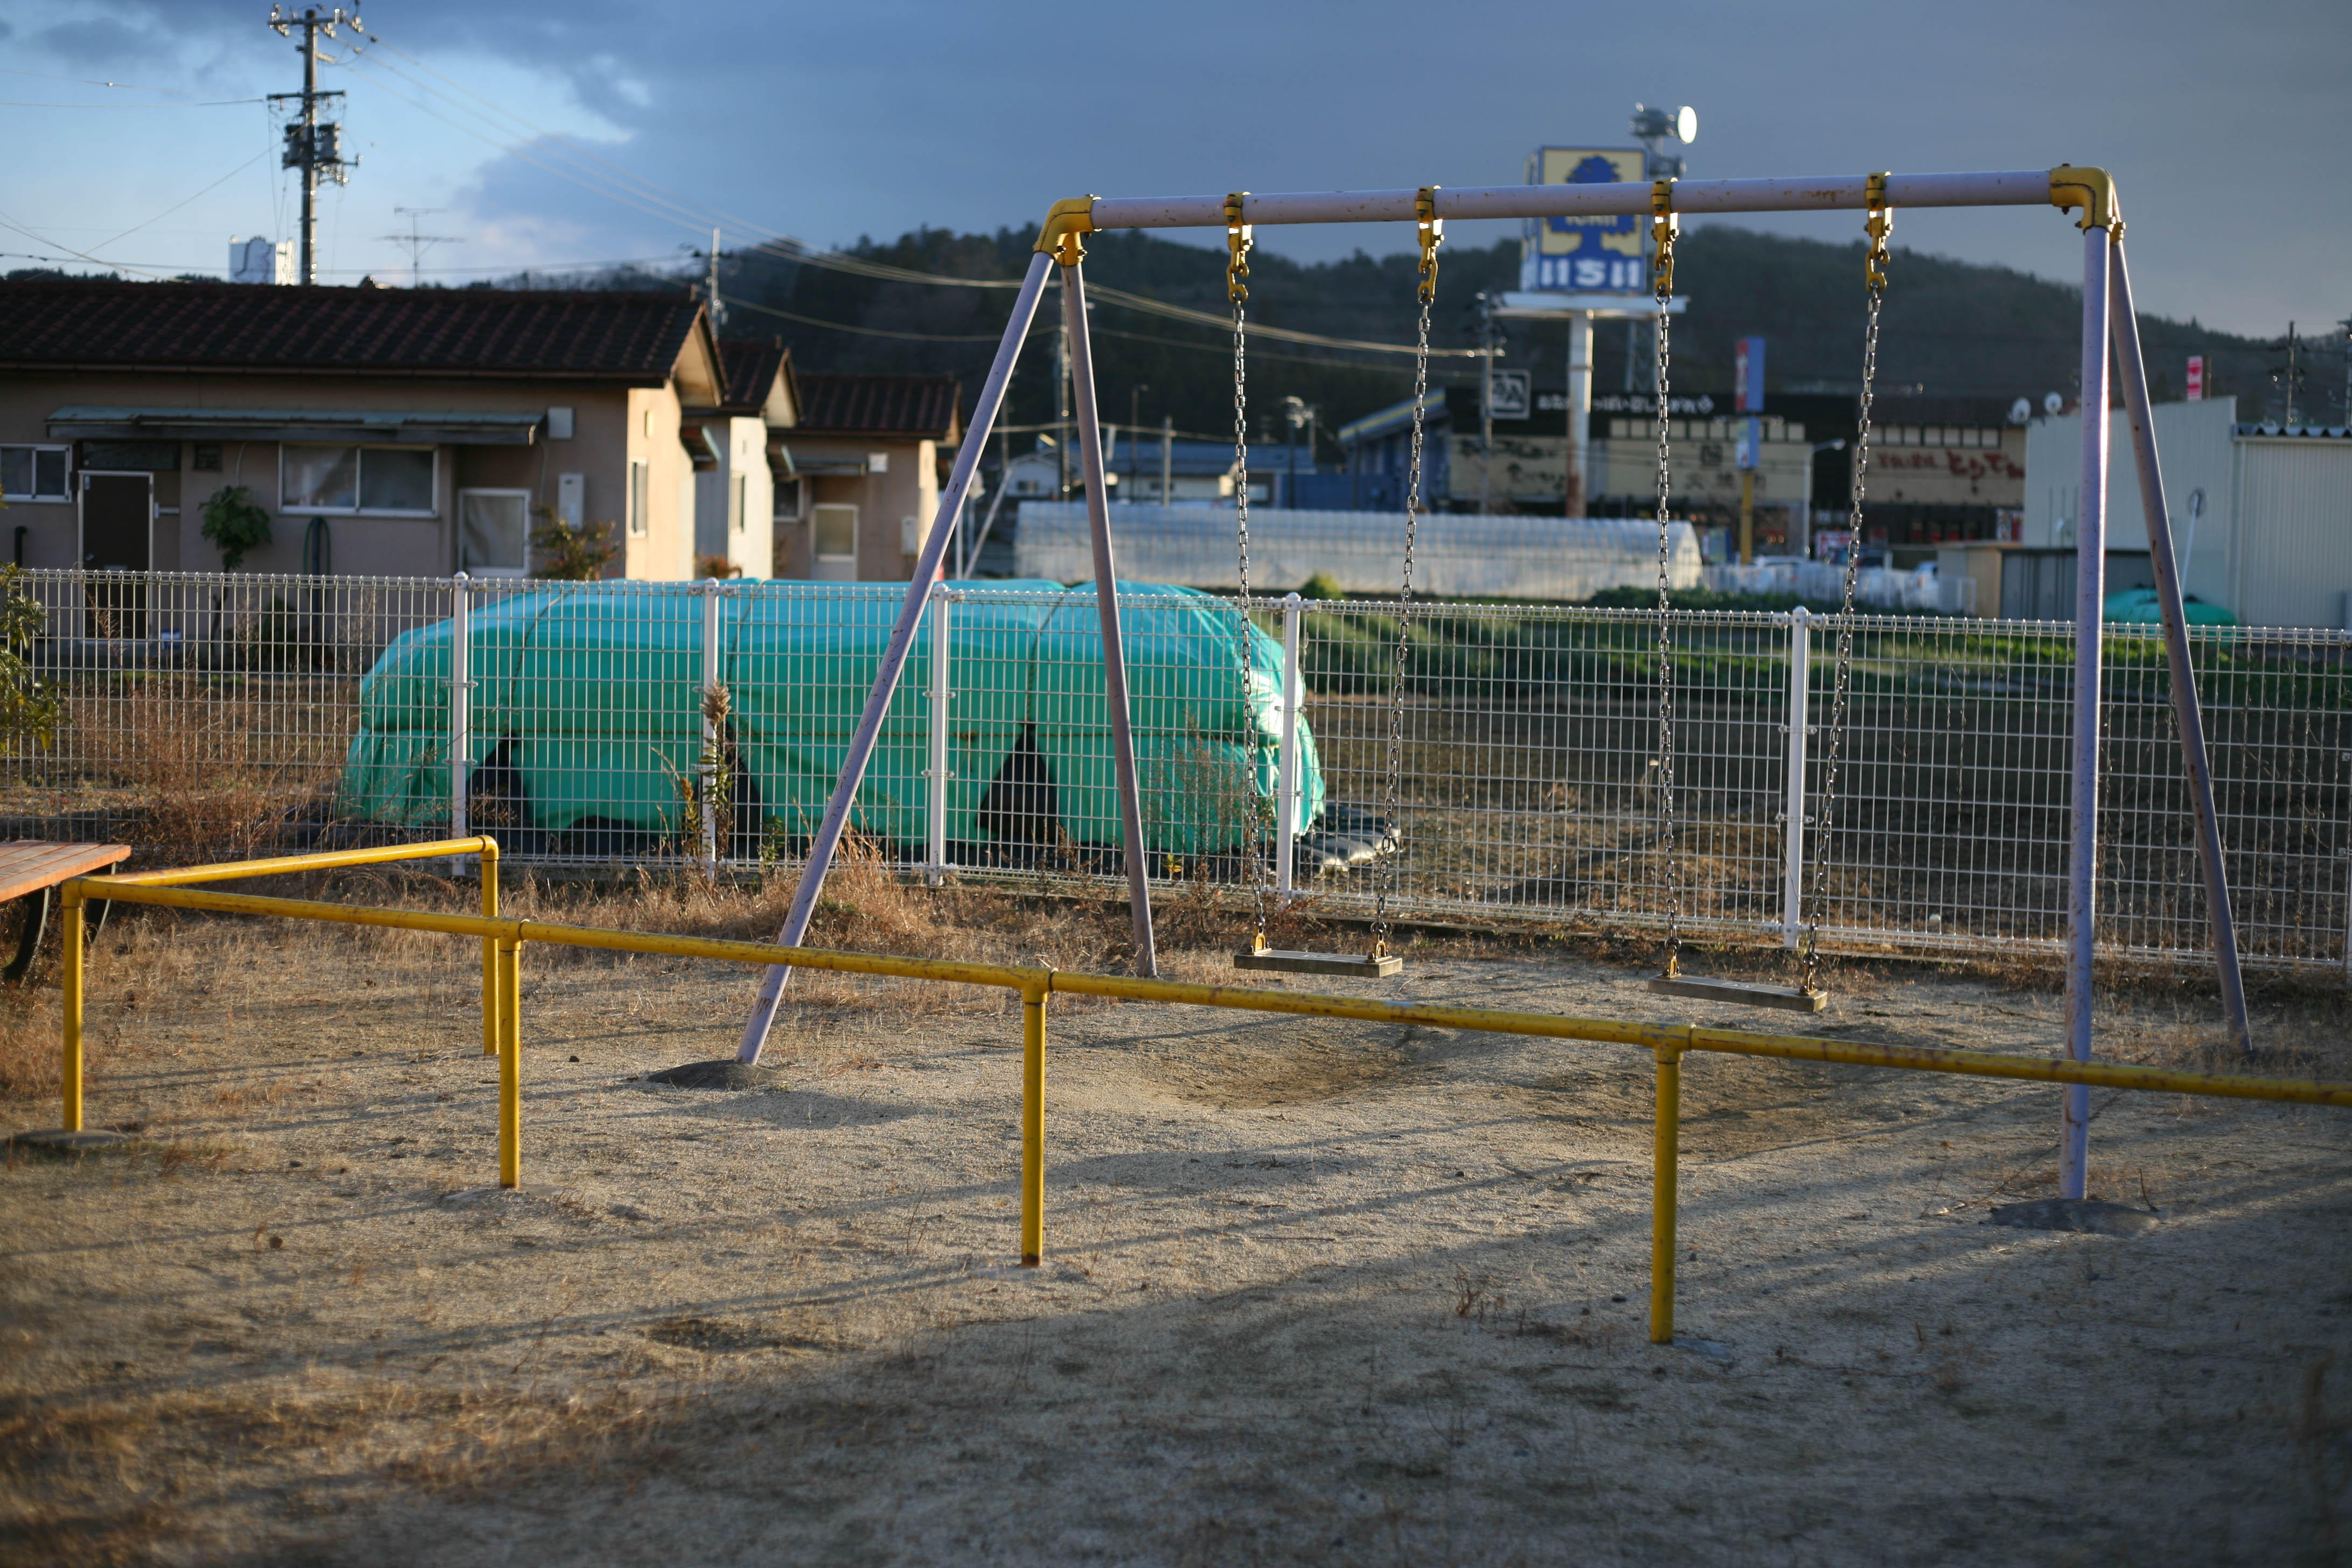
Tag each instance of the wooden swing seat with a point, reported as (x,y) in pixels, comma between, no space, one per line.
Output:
(1360,966)
(1741,992)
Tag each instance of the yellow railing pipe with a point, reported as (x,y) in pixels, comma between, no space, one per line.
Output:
(69,1055)
(324,860)
(1664,1179)
(491,1033)
(1606,1031)
(507,959)
(503,940)
(1032,1124)
(2030,1070)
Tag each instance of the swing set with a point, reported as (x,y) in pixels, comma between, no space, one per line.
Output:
(2109,331)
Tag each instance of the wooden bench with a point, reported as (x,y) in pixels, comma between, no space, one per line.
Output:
(30,871)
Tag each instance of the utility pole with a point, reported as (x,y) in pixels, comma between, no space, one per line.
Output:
(2290,380)
(1134,428)
(311,146)
(718,310)
(418,244)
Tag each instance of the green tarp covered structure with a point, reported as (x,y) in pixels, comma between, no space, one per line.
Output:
(586,701)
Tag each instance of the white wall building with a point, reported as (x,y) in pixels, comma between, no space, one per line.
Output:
(2261,515)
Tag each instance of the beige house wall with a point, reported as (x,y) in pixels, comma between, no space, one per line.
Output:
(613,426)
(909,487)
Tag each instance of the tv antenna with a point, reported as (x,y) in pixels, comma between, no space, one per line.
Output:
(419,243)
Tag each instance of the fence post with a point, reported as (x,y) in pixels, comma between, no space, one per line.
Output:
(942,649)
(461,691)
(708,767)
(1285,766)
(1800,677)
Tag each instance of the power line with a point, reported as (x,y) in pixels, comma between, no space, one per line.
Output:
(176,207)
(685,211)
(207,103)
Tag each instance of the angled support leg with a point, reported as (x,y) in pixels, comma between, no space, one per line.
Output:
(2187,711)
(894,658)
(1122,731)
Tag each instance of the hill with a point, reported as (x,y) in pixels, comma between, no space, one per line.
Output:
(1951,327)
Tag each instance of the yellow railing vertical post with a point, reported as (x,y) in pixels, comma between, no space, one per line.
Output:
(70,1062)
(1663,1195)
(491,1033)
(1032,1124)
(508,958)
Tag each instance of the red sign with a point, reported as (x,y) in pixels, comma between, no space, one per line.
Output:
(2196,378)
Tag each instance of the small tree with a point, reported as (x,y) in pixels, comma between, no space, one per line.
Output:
(570,554)
(235,524)
(716,566)
(28,710)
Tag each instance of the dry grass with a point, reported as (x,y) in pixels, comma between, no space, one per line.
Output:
(200,769)
(106,1482)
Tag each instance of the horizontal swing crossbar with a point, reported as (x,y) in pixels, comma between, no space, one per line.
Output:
(2004,188)
(1284,961)
(1741,992)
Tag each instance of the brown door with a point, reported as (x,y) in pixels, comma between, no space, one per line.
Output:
(117,510)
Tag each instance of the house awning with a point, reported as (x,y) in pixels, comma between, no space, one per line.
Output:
(457,427)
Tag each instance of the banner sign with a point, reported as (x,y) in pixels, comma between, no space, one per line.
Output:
(1747,376)
(1594,253)
(2196,378)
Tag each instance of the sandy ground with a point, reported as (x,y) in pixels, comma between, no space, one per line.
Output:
(1315,1292)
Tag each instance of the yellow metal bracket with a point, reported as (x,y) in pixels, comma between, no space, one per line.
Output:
(1066,226)
(1664,224)
(1430,229)
(2092,190)
(1882,220)
(1237,241)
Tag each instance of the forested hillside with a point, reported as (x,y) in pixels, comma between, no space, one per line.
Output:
(1951,327)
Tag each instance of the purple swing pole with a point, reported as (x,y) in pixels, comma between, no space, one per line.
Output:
(894,660)
(1122,732)
(2090,597)
(2133,370)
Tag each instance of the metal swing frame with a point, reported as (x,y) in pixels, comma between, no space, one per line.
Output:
(2109,330)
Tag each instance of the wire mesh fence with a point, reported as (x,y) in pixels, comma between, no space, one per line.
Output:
(649,723)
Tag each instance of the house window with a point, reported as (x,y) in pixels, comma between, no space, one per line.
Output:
(395,480)
(737,503)
(833,535)
(33,473)
(640,493)
(494,532)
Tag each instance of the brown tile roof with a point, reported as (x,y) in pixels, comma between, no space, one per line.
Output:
(749,367)
(634,337)
(918,406)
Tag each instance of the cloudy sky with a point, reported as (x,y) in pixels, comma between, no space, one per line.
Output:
(593,131)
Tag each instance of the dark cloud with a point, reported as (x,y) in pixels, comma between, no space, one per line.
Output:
(830,121)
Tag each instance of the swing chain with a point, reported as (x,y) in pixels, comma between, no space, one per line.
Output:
(1882,219)
(1237,235)
(1663,230)
(1390,843)
(1237,242)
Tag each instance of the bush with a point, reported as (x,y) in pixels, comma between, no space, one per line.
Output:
(568,554)
(235,524)
(1322,586)
(28,710)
